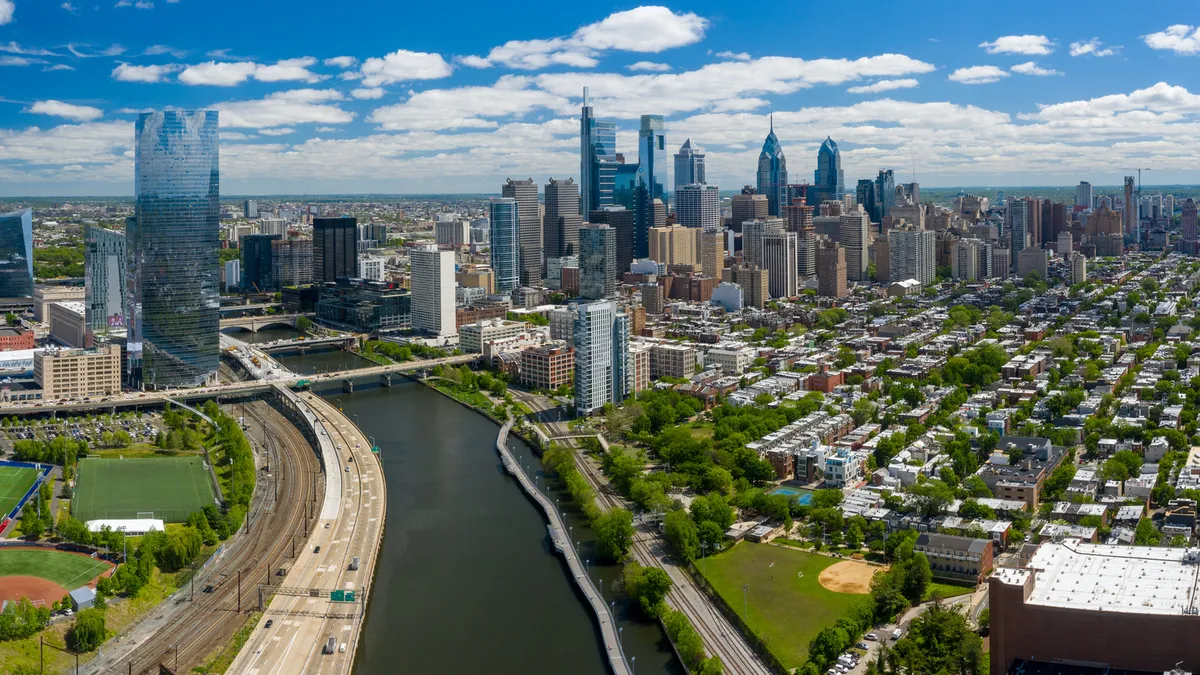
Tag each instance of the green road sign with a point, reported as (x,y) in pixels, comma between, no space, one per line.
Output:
(342,596)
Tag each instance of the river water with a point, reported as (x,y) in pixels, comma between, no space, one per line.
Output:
(467,580)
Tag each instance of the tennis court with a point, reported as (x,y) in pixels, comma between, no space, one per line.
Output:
(15,481)
(170,488)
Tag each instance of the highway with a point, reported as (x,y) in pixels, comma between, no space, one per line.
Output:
(302,616)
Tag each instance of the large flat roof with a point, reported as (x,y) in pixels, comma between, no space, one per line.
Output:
(1110,578)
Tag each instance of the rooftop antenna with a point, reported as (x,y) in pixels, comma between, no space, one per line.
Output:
(772,117)
(585,97)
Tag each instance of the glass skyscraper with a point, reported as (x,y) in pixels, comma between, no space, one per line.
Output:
(885,189)
(16,254)
(506,257)
(104,279)
(651,179)
(828,180)
(689,165)
(174,274)
(597,160)
(772,173)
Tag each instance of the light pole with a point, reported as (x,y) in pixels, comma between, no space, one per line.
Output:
(632,665)
(745,596)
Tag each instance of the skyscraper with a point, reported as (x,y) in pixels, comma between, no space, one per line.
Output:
(853,237)
(597,261)
(885,188)
(779,257)
(772,173)
(16,254)
(712,253)
(335,249)
(504,235)
(828,180)
(1083,195)
(293,260)
(562,220)
(104,259)
(250,208)
(1132,224)
(597,160)
(1018,221)
(867,194)
(831,269)
(651,179)
(529,230)
(433,291)
(698,206)
(620,219)
(971,260)
(258,263)
(753,232)
(1187,227)
(173,272)
(749,205)
(912,254)
(601,340)
(689,166)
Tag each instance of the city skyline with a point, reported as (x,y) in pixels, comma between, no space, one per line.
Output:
(1078,99)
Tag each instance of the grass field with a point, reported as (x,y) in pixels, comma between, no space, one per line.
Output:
(946,590)
(68,570)
(786,604)
(14,483)
(171,487)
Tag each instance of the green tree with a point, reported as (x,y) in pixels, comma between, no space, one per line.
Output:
(681,531)
(932,497)
(88,631)
(614,533)
(1146,533)
(649,586)
(915,577)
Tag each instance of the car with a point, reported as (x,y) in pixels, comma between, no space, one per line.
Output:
(342,648)
(863,645)
(872,637)
(317,549)
(270,622)
(327,526)
(897,633)
(347,469)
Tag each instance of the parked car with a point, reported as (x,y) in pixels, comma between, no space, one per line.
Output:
(862,645)
(897,633)
(270,622)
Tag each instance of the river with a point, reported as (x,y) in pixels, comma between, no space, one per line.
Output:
(467,580)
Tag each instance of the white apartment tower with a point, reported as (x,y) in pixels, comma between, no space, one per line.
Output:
(913,254)
(779,259)
(433,291)
(698,206)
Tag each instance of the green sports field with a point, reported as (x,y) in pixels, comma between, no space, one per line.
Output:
(14,483)
(170,487)
(69,570)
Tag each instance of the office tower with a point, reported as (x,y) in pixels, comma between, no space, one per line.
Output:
(831,269)
(912,254)
(293,261)
(250,208)
(885,187)
(597,160)
(698,206)
(1168,206)
(748,205)
(1034,209)
(651,179)
(799,219)
(829,181)
(258,262)
(854,238)
(772,173)
(1018,226)
(1031,260)
(689,167)
(504,236)
(271,226)
(1002,260)
(779,257)
(912,191)
(335,249)
(16,254)
(529,229)
(374,235)
(1065,244)
(674,245)
(452,232)
(971,260)
(1078,263)
(597,261)
(625,181)
(233,274)
(868,194)
(1187,226)
(621,220)
(1083,195)
(755,283)
(753,233)
(659,209)
(433,291)
(172,270)
(1132,224)
(883,258)
(104,279)
(562,220)
(601,340)
(712,253)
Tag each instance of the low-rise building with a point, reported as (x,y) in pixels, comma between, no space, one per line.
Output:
(472,337)
(547,367)
(78,373)
(956,558)
(731,361)
(13,338)
(672,361)
(68,323)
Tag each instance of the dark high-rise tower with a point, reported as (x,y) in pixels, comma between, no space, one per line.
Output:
(335,249)
(868,197)
(258,262)
(621,220)
(562,221)
(689,165)
(885,190)
(529,230)
(16,254)
(772,173)
(651,180)
(829,181)
(597,159)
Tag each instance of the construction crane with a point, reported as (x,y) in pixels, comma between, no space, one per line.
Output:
(1139,169)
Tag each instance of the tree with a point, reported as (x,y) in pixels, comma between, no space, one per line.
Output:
(681,531)
(940,641)
(88,631)
(649,586)
(915,577)
(713,508)
(932,497)
(976,487)
(1146,533)
(854,536)
(973,510)
(31,525)
(614,531)
(899,546)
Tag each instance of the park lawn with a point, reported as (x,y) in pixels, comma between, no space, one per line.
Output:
(785,608)
(704,430)
(171,488)
(946,590)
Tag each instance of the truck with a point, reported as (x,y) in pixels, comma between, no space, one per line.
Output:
(330,644)
(354,563)
(283,569)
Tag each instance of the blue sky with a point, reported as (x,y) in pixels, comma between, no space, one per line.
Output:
(453,97)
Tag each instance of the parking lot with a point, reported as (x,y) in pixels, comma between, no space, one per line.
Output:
(141,427)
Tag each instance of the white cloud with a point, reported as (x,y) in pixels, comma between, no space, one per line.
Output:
(1180,38)
(1093,47)
(57,66)
(285,108)
(978,75)
(367,93)
(159,50)
(283,131)
(78,113)
(289,70)
(228,74)
(236,136)
(736,56)
(84,51)
(647,29)
(153,73)
(69,7)
(13,48)
(1036,45)
(342,62)
(472,61)
(649,66)
(404,66)
(19,61)
(144,4)
(884,85)
(1031,68)
(1160,99)
(6,11)
(327,130)
(467,107)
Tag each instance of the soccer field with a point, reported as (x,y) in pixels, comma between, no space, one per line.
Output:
(170,487)
(69,570)
(14,483)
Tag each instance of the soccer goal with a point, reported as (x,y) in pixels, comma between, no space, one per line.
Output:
(143,515)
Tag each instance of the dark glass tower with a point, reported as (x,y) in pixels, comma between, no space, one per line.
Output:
(173,270)
(16,254)
(651,179)
(867,195)
(829,182)
(885,190)
(597,159)
(772,173)
(335,249)
(258,262)
(621,220)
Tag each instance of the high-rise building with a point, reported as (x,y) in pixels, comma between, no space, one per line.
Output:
(753,233)
(78,373)
(621,220)
(674,245)
(433,291)
(1018,226)
(779,257)
(597,261)
(831,269)
(529,229)
(868,198)
(1187,227)
(651,179)
(562,220)
(883,258)
(601,341)
(698,206)
(1083,195)
(1001,262)
(971,260)
(233,274)
(1132,229)
(1065,244)
(799,218)
(772,173)
(598,163)
(173,272)
(854,238)
(1031,260)
(335,249)
(755,284)
(748,205)
(452,232)
(258,263)
(104,259)
(885,187)
(689,167)
(504,213)
(625,183)
(16,254)
(293,261)
(712,253)
(912,254)
(829,181)
(250,208)
(1078,263)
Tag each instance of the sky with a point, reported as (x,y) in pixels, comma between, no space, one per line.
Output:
(319,97)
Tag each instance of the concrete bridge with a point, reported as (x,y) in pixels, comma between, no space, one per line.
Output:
(257,323)
(303,344)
